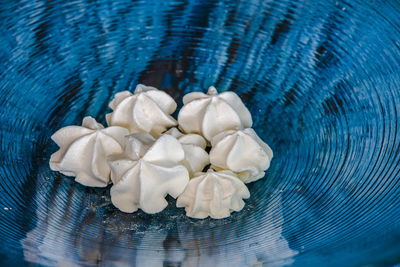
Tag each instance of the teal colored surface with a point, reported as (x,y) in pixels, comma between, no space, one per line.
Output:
(321,79)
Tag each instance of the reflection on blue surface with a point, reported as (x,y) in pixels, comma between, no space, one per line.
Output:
(114,238)
(320,78)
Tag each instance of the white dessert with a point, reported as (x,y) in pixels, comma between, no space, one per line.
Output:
(242,152)
(84,150)
(212,113)
(196,158)
(153,161)
(214,193)
(147,110)
(146,172)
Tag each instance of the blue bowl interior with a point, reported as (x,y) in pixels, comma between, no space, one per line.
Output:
(320,78)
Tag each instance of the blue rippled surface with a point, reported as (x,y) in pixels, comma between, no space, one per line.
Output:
(321,79)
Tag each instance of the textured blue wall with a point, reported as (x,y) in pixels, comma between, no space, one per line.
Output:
(321,79)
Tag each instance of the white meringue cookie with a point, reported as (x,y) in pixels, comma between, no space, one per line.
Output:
(242,152)
(196,158)
(146,172)
(214,193)
(212,113)
(147,110)
(84,150)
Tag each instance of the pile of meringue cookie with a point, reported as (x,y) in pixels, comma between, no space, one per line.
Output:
(204,163)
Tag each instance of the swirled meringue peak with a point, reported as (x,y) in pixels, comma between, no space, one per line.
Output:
(84,149)
(242,152)
(212,113)
(146,172)
(196,158)
(147,110)
(213,193)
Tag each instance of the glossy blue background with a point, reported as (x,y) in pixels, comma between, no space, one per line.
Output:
(321,79)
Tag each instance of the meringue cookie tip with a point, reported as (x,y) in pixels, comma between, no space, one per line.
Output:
(212,90)
(143,88)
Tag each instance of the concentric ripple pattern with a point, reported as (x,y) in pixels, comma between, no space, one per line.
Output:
(321,79)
